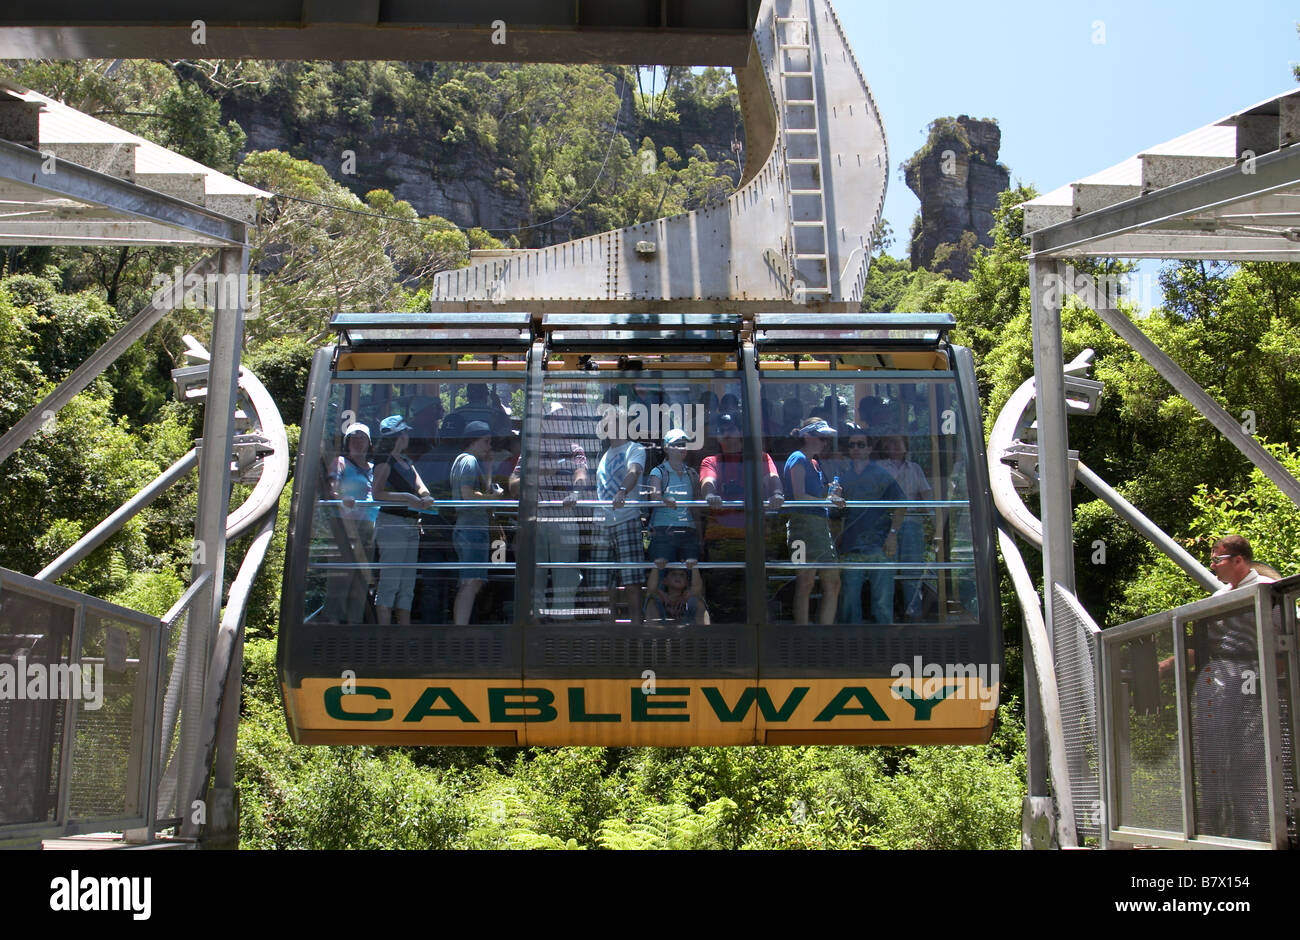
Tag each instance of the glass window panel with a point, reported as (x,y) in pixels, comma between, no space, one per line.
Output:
(1226,707)
(1147,760)
(625,530)
(389,559)
(110,720)
(34,632)
(896,448)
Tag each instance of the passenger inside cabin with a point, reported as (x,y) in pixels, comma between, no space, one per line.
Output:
(485,407)
(870,534)
(722,479)
(618,534)
(470,481)
(911,535)
(679,599)
(397,528)
(436,450)
(350,481)
(674,531)
(808,535)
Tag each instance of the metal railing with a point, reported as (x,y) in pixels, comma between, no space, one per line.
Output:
(79,688)
(1198,722)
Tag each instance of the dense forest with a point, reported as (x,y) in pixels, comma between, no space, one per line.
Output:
(572,151)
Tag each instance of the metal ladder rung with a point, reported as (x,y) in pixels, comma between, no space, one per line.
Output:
(805,160)
(802,130)
(792,19)
(815,257)
(796,74)
(806,192)
(801,103)
(805,223)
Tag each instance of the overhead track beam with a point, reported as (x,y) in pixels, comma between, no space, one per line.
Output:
(608,31)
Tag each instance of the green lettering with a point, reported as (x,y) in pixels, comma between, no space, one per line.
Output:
(770,711)
(500,709)
(923,706)
(642,704)
(837,706)
(578,708)
(423,708)
(334,703)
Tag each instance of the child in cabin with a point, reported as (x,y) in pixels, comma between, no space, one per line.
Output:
(680,599)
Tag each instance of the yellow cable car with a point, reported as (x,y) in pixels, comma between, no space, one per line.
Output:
(653,529)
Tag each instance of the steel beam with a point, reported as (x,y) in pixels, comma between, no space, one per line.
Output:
(1271,173)
(1134,517)
(1186,386)
(28,168)
(95,364)
(102,532)
(1053,436)
(222,683)
(1044,734)
(213,505)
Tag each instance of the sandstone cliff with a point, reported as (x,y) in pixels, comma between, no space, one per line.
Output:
(957,177)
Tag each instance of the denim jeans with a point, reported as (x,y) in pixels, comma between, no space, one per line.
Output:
(882,589)
(911,551)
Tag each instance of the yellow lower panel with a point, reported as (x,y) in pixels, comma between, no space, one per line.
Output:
(674,712)
(626,712)
(896,706)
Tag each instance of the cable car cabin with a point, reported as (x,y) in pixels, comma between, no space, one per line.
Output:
(623,542)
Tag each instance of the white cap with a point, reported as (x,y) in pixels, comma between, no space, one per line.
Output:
(355,428)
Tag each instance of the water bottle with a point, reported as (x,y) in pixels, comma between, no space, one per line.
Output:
(836,489)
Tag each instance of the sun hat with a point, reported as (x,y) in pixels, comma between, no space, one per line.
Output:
(816,429)
(392,426)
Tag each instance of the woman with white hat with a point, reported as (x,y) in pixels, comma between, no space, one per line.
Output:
(674,531)
(350,481)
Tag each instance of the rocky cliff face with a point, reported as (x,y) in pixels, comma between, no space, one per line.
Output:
(957,177)
(459,182)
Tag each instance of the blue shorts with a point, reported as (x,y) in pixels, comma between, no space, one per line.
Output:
(674,544)
(471,546)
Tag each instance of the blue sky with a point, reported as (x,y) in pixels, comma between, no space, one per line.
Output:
(1067,105)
